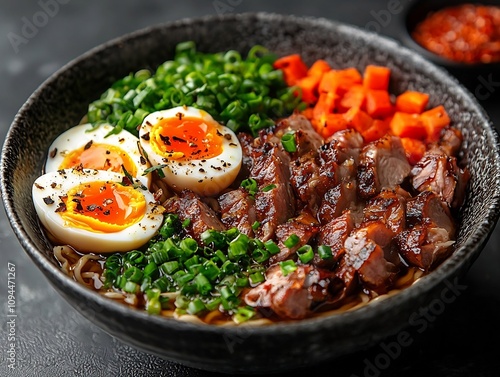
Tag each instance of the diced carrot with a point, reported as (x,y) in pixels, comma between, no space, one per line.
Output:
(414,149)
(325,105)
(408,125)
(434,120)
(378,103)
(293,68)
(378,129)
(308,112)
(309,87)
(319,67)
(339,81)
(358,119)
(376,77)
(354,97)
(412,102)
(331,123)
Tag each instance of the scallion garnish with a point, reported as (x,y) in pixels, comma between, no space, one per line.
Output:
(244,93)
(324,251)
(250,185)
(288,266)
(305,253)
(268,188)
(291,241)
(288,142)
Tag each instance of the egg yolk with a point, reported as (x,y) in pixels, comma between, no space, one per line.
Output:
(186,138)
(100,157)
(103,207)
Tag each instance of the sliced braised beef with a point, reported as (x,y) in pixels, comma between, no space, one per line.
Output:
(334,234)
(249,149)
(237,209)
(307,139)
(189,206)
(424,246)
(291,296)
(368,250)
(304,231)
(438,172)
(309,185)
(451,141)
(389,207)
(274,201)
(382,164)
(432,231)
(428,208)
(336,200)
(348,143)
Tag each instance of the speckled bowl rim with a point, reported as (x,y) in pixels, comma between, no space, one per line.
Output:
(463,255)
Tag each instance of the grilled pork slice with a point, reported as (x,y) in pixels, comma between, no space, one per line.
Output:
(334,234)
(305,232)
(382,164)
(307,139)
(291,296)
(451,141)
(188,205)
(309,183)
(438,172)
(368,250)
(424,246)
(348,144)
(432,230)
(275,201)
(237,208)
(338,199)
(389,207)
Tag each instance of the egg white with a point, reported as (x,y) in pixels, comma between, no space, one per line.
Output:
(50,187)
(79,136)
(206,177)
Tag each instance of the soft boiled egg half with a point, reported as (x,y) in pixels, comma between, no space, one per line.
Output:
(95,210)
(99,147)
(193,150)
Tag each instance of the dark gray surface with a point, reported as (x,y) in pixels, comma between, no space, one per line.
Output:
(53,339)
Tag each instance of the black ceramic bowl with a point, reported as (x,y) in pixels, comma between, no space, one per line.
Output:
(473,76)
(62,101)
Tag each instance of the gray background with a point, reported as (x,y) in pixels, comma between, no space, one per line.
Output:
(53,339)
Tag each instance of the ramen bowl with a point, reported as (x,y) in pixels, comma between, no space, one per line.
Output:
(63,99)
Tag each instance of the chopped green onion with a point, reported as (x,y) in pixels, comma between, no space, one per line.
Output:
(288,142)
(260,255)
(238,247)
(133,274)
(255,225)
(195,306)
(325,252)
(256,278)
(202,284)
(250,185)
(170,267)
(291,241)
(287,266)
(268,188)
(305,253)
(243,314)
(131,287)
(151,270)
(271,246)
